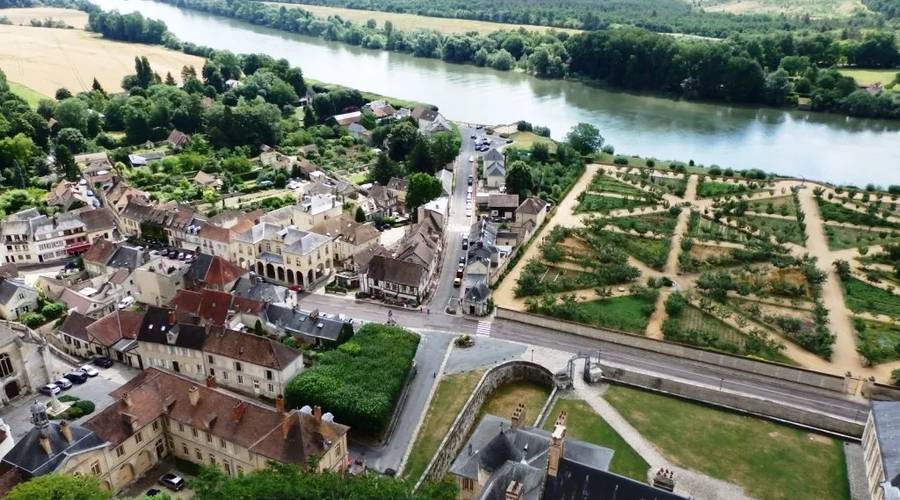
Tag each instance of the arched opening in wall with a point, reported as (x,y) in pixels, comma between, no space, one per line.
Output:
(270,271)
(320,271)
(259,268)
(104,485)
(280,274)
(243,263)
(144,461)
(12,389)
(309,278)
(125,474)
(290,277)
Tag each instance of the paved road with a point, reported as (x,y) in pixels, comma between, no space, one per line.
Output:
(775,389)
(376,312)
(429,356)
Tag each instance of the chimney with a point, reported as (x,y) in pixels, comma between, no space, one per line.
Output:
(65,431)
(45,444)
(237,411)
(514,490)
(557,448)
(194,395)
(518,416)
(211,381)
(317,412)
(126,399)
(664,480)
(286,426)
(279,403)
(561,419)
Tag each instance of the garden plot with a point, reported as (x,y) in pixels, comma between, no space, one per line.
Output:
(592,202)
(840,238)
(717,189)
(780,205)
(784,230)
(877,341)
(702,228)
(605,184)
(659,223)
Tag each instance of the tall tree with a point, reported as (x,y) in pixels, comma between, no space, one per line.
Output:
(585,138)
(518,179)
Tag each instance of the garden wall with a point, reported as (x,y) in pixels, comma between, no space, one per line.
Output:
(735,401)
(799,375)
(502,374)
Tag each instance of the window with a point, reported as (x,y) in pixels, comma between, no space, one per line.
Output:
(222,443)
(237,366)
(208,437)
(269,375)
(180,427)
(468,484)
(199,454)
(212,460)
(210,359)
(271,388)
(212,372)
(194,432)
(120,450)
(240,470)
(138,437)
(256,385)
(155,425)
(95,468)
(240,379)
(185,449)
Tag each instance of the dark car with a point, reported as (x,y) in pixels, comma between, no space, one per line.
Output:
(152,492)
(77,377)
(172,481)
(103,362)
(470,180)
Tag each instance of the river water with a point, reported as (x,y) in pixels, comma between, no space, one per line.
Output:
(804,144)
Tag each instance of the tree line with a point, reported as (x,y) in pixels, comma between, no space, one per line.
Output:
(743,68)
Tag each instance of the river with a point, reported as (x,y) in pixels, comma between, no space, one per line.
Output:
(819,146)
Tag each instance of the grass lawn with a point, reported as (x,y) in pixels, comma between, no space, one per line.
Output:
(870,76)
(780,205)
(589,202)
(606,184)
(862,297)
(769,460)
(784,230)
(451,394)
(359,177)
(584,424)
(845,237)
(628,313)
(524,140)
(504,400)
(659,222)
(32,97)
(712,189)
(878,342)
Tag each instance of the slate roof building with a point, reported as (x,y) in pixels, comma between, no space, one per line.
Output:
(313,328)
(506,460)
(16,298)
(394,279)
(881,449)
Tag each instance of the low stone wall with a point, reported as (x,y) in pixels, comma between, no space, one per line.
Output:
(799,375)
(502,374)
(740,402)
(880,392)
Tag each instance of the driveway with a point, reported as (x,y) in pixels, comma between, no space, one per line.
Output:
(96,389)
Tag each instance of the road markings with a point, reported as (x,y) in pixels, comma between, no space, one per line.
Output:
(483,328)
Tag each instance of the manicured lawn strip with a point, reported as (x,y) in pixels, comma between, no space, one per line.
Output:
(780,205)
(584,424)
(32,97)
(862,297)
(589,202)
(783,229)
(505,399)
(660,223)
(605,183)
(769,460)
(712,189)
(878,342)
(629,313)
(839,213)
(524,140)
(449,397)
(695,319)
(846,237)
(650,251)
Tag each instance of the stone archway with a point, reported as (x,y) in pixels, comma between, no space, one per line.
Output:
(12,389)
(290,277)
(320,271)
(270,271)
(309,278)
(259,268)
(144,461)
(280,274)
(125,474)
(105,486)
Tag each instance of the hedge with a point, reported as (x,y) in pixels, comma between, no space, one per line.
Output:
(361,380)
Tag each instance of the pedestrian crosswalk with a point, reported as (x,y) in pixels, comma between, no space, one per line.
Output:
(483,328)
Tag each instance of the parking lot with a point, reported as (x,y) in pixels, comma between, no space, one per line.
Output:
(96,389)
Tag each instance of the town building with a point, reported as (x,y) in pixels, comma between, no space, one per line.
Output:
(349,237)
(24,362)
(881,450)
(286,254)
(494,174)
(30,237)
(394,279)
(16,298)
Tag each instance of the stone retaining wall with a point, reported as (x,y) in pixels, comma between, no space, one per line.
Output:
(502,374)
(799,375)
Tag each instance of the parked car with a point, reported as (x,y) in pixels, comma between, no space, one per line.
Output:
(77,376)
(172,481)
(89,370)
(63,383)
(472,136)
(50,389)
(126,302)
(462,260)
(152,492)
(457,282)
(470,180)
(465,243)
(103,362)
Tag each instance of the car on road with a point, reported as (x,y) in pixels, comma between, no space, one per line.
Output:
(465,243)
(468,212)
(102,362)
(457,282)
(472,159)
(63,383)
(462,260)
(472,136)
(89,370)
(50,389)
(76,376)
(470,180)
(172,481)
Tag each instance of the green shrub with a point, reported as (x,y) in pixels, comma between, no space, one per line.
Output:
(620,160)
(86,407)
(360,381)
(53,310)
(33,319)
(66,398)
